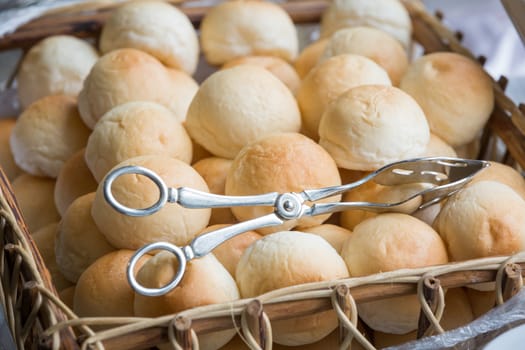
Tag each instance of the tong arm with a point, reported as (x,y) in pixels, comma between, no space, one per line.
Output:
(190,198)
(205,243)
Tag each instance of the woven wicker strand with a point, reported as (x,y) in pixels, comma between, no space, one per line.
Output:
(491,265)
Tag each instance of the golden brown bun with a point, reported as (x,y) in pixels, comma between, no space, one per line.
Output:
(122,76)
(229,253)
(135,129)
(333,234)
(275,65)
(7,162)
(67,296)
(469,150)
(375,44)
(454,92)
(56,65)
(330,79)
(200,274)
(103,289)
(287,162)
(214,171)
(241,28)
(79,242)
(372,192)
(47,134)
(183,90)
(236,106)
(390,242)
(73,181)
(484,219)
(414,243)
(309,57)
(370,126)
(45,241)
(331,341)
(436,147)
(481,301)
(368,192)
(387,15)
(285,259)
(349,176)
(205,282)
(35,197)
(172,223)
(504,174)
(159,29)
(457,313)
(199,152)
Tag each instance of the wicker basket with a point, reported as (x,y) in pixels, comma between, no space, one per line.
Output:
(38,319)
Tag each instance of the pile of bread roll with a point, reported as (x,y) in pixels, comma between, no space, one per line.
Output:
(271,117)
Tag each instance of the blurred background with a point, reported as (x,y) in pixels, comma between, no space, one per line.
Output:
(485,24)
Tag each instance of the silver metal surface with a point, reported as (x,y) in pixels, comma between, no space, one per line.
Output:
(178,252)
(444,176)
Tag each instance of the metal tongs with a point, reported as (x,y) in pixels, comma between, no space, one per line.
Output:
(446,175)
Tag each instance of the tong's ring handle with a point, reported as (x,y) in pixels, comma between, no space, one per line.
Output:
(138,170)
(153,292)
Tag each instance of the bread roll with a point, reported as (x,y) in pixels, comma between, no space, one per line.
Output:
(67,296)
(436,147)
(285,259)
(194,290)
(481,302)
(275,65)
(331,341)
(333,234)
(454,92)
(309,57)
(242,28)
(387,15)
(470,150)
(368,192)
(214,171)
(287,162)
(122,76)
(390,242)
(7,162)
(349,176)
(371,126)
(103,289)
(504,174)
(236,106)
(172,223)
(484,219)
(183,90)
(47,134)
(36,200)
(375,44)
(73,180)
(135,129)
(374,193)
(457,313)
(199,152)
(79,242)
(229,253)
(54,66)
(45,242)
(330,79)
(155,27)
